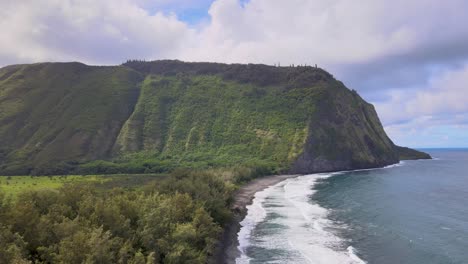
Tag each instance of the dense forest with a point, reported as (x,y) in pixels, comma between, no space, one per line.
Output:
(177,219)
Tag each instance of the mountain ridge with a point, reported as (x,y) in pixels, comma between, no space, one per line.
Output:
(156,116)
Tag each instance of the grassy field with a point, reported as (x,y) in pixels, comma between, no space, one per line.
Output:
(13,185)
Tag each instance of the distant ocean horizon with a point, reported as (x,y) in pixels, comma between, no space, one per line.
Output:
(411,212)
(434,150)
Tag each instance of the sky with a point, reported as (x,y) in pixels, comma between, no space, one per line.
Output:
(408,58)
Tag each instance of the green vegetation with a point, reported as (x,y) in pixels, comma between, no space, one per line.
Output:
(194,131)
(13,185)
(176,219)
(411,154)
(154,117)
(203,121)
(54,115)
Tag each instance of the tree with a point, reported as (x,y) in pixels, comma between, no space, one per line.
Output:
(87,246)
(12,247)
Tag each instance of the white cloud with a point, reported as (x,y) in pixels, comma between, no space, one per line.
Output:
(433,116)
(331,33)
(407,52)
(336,34)
(445,95)
(99,32)
(298,31)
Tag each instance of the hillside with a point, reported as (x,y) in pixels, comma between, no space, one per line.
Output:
(156,116)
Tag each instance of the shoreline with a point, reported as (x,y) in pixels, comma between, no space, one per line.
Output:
(226,250)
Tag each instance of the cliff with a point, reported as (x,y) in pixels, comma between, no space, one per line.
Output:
(156,116)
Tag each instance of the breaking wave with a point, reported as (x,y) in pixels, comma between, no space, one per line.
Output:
(295,228)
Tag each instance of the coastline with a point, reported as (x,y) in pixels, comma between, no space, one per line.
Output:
(226,250)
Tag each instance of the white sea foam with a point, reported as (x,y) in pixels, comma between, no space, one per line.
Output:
(353,256)
(255,214)
(303,225)
(304,229)
(401,163)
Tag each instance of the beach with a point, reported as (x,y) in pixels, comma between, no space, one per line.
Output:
(227,250)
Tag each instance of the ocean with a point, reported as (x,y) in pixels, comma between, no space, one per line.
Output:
(411,212)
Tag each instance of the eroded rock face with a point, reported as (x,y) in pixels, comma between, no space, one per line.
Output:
(346,134)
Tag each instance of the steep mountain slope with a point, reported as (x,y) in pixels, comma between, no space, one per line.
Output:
(61,112)
(156,116)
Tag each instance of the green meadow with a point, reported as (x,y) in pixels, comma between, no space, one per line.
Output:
(13,185)
(16,184)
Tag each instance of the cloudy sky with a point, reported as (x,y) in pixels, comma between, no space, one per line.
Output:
(407,57)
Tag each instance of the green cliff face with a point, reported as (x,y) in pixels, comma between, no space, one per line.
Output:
(156,116)
(54,113)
